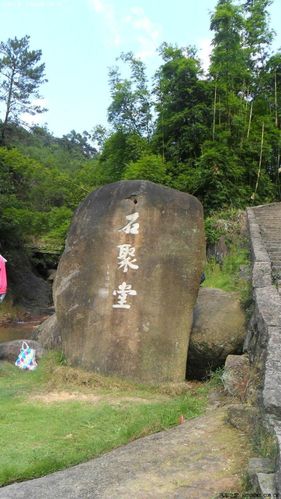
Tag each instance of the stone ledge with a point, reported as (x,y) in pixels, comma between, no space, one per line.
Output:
(262,477)
(275,424)
(265,484)
(259,252)
(261,274)
(268,302)
(265,341)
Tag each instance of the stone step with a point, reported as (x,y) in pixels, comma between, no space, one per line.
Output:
(266,219)
(271,240)
(265,484)
(262,477)
(269,230)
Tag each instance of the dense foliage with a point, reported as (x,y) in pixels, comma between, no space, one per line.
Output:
(215,135)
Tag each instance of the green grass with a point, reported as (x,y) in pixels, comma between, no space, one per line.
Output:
(38,438)
(227,276)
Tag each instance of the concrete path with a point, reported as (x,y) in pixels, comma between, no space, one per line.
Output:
(198,459)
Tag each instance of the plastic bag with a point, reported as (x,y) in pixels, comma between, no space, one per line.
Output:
(26,358)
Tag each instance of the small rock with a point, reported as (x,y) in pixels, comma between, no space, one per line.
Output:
(236,375)
(260,465)
(243,417)
(265,484)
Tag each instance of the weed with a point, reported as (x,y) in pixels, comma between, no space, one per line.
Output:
(216,378)
(227,276)
(263,442)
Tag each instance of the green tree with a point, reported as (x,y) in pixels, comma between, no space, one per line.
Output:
(79,143)
(148,167)
(258,35)
(130,109)
(229,72)
(119,149)
(182,104)
(21,75)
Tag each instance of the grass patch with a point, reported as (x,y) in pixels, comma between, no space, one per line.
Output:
(228,276)
(39,438)
(233,271)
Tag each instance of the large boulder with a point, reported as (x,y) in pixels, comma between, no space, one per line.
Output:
(48,334)
(128,279)
(218,330)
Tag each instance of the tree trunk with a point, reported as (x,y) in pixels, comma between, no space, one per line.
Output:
(275,100)
(250,120)
(8,109)
(260,162)
(214,112)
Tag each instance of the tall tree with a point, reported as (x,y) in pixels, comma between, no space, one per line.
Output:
(130,110)
(182,105)
(21,75)
(79,143)
(257,33)
(228,70)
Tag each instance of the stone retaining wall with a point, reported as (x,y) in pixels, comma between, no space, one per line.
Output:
(263,342)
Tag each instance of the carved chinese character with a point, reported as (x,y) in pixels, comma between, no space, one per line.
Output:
(123,291)
(126,257)
(131,227)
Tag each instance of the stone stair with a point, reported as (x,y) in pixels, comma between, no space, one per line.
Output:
(268,218)
(263,342)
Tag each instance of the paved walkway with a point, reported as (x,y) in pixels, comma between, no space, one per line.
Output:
(198,459)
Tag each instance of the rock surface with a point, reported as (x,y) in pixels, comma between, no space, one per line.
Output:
(236,375)
(218,330)
(128,280)
(243,417)
(25,287)
(48,334)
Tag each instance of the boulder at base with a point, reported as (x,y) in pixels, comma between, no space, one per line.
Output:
(47,334)
(128,279)
(218,330)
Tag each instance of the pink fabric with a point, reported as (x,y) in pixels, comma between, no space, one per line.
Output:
(3,276)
